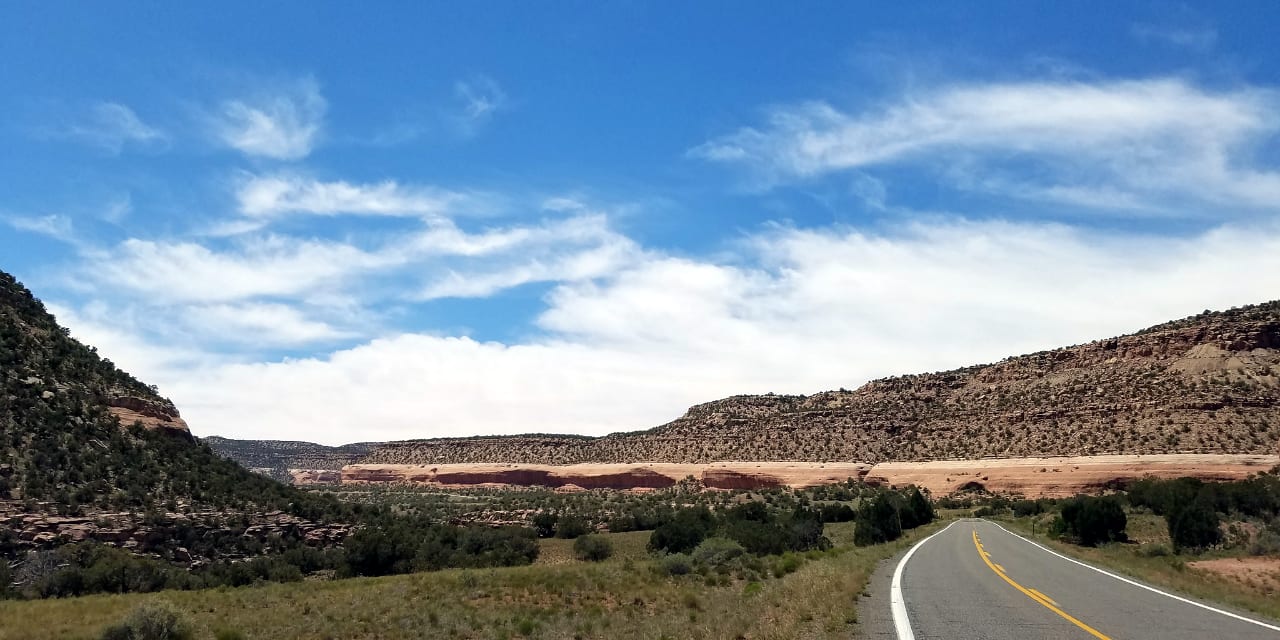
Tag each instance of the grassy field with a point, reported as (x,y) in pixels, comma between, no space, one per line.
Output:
(1150,536)
(559,597)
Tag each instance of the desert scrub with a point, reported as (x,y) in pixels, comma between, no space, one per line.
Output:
(589,600)
(150,621)
(592,548)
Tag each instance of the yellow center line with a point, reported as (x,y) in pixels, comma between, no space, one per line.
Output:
(1032,593)
(1037,592)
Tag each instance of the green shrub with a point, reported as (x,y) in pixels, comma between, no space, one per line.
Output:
(151,621)
(786,564)
(1266,544)
(917,511)
(1024,508)
(1154,550)
(685,531)
(570,527)
(676,564)
(836,513)
(402,544)
(592,547)
(717,551)
(1091,520)
(877,521)
(545,524)
(1194,526)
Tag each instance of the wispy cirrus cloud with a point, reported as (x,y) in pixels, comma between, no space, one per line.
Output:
(276,324)
(480,97)
(110,127)
(54,225)
(266,196)
(1154,142)
(1196,38)
(283,123)
(268,266)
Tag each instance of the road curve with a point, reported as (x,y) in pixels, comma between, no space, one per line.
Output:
(976,580)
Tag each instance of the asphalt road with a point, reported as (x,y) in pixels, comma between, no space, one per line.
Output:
(975,580)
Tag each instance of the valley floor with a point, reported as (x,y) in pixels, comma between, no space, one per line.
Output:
(558,597)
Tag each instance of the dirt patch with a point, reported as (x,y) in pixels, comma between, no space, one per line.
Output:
(1261,573)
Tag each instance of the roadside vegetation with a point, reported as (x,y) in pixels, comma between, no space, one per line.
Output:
(1219,541)
(734,581)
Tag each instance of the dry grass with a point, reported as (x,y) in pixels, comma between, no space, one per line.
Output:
(630,544)
(620,598)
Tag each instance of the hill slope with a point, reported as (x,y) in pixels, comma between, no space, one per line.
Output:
(75,431)
(1205,384)
(276,457)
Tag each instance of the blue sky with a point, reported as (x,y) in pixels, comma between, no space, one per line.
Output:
(321,221)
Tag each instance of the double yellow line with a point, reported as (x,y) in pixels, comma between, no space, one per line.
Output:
(1032,593)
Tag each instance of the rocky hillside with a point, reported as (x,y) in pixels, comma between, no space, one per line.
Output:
(1205,384)
(276,458)
(78,434)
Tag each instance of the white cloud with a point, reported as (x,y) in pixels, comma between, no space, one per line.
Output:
(284,124)
(54,225)
(269,266)
(1154,141)
(803,310)
(276,195)
(1197,38)
(119,338)
(562,266)
(260,324)
(111,126)
(118,209)
(480,97)
(259,293)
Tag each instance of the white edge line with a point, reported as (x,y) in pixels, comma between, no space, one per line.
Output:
(897,604)
(1134,583)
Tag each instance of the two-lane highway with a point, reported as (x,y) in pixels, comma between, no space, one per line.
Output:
(975,580)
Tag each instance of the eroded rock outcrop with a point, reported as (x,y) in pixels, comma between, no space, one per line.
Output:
(1060,477)
(640,476)
(1029,477)
(150,413)
(304,477)
(136,532)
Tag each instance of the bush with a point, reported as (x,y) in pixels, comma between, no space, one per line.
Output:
(394,545)
(917,511)
(685,531)
(1153,550)
(1266,544)
(544,524)
(1091,520)
(592,547)
(716,552)
(786,564)
(1025,508)
(151,621)
(877,521)
(570,527)
(836,513)
(1194,526)
(676,564)
(6,579)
